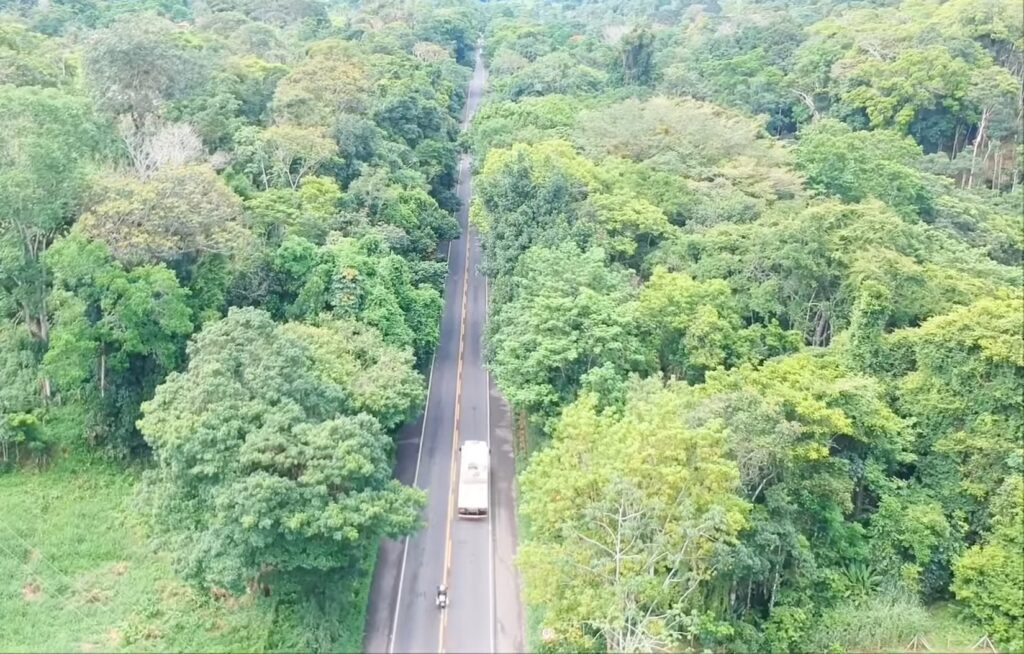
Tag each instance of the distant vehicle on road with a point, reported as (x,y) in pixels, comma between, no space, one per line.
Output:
(474,478)
(442,597)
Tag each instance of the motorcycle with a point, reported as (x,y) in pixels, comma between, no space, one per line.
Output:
(442,597)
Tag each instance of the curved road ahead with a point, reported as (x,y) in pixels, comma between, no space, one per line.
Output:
(474,557)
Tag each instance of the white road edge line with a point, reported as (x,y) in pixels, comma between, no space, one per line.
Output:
(415,479)
(490,514)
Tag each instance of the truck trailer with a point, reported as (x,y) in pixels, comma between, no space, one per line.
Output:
(474,479)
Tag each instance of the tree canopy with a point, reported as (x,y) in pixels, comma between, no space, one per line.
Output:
(219,229)
(776,240)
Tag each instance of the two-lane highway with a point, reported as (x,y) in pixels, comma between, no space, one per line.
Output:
(473,557)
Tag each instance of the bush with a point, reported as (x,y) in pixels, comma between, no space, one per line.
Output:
(786,630)
(989,577)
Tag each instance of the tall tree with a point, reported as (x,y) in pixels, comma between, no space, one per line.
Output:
(176,216)
(139,64)
(626,513)
(45,156)
(570,313)
(265,470)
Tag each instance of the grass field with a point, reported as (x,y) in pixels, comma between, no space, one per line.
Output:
(940,630)
(77,575)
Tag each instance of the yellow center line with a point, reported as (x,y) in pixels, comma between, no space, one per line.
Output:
(455,438)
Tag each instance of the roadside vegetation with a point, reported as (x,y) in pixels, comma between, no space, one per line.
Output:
(218,288)
(756,301)
(756,282)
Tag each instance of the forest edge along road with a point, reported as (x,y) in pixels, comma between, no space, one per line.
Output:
(474,559)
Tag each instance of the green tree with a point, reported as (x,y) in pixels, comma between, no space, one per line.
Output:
(19,396)
(528,120)
(626,513)
(527,196)
(265,469)
(331,81)
(557,72)
(813,444)
(989,577)
(378,378)
(176,216)
(50,139)
(896,91)
(692,327)
(570,313)
(283,155)
(358,280)
(636,58)
(855,166)
(375,200)
(140,63)
(116,333)
(626,226)
(961,384)
(680,135)
(805,269)
(310,212)
(30,59)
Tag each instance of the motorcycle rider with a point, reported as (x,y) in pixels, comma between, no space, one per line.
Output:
(442,596)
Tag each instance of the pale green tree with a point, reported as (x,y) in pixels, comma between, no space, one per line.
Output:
(626,513)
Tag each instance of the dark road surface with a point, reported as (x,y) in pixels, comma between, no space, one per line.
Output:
(473,557)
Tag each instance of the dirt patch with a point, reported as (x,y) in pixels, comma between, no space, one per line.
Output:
(174,592)
(220,594)
(95,596)
(119,569)
(32,592)
(218,627)
(115,638)
(229,600)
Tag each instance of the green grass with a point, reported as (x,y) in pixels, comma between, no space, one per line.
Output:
(78,575)
(890,624)
(947,631)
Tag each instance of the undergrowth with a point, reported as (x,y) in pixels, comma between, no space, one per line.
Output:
(78,575)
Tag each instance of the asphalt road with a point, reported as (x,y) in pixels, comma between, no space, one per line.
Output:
(473,557)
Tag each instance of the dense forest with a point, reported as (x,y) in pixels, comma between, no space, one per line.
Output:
(756,300)
(218,272)
(757,288)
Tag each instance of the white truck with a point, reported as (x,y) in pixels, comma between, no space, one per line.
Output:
(474,488)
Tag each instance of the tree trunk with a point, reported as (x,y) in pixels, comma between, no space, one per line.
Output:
(103,371)
(822,329)
(984,160)
(43,330)
(978,140)
(997,170)
(808,100)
